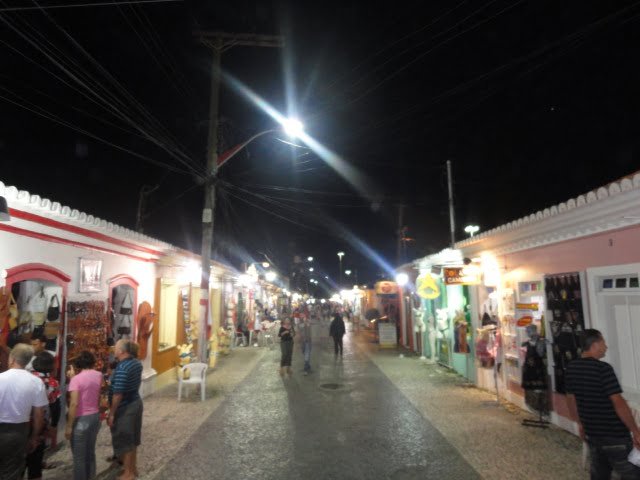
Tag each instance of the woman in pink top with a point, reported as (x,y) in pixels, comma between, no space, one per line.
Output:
(83,421)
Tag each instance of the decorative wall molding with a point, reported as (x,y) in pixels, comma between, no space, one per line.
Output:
(23,201)
(611,207)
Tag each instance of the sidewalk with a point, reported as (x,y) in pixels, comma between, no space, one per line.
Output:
(487,434)
(167,424)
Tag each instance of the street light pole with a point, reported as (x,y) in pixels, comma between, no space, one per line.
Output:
(340,255)
(217,41)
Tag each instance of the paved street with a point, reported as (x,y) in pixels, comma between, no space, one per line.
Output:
(369,415)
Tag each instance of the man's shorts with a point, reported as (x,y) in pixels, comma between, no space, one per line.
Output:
(127,428)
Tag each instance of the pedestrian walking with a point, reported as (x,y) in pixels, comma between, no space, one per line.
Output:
(43,364)
(604,418)
(125,413)
(83,419)
(22,397)
(337,331)
(305,341)
(286,334)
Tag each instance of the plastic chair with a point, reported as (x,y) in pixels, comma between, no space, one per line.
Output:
(197,374)
(240,338)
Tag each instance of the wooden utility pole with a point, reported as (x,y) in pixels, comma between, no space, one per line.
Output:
(452,220)
(218,42)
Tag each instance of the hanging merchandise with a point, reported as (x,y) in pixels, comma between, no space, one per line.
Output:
(127,305)
(38,305)
(13,313)
(461,329)
(534,377)
(87,330)
(146,318)
(53,312)
(564,300)
(125,329)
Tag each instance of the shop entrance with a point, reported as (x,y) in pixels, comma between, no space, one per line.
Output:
(123,293)
(40,292)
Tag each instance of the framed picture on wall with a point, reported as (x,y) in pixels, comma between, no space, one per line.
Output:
(90,275)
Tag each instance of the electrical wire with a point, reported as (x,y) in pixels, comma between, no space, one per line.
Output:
(87,82)
(50,116)
(80,5)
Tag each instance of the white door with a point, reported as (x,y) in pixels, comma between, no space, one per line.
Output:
(624,337)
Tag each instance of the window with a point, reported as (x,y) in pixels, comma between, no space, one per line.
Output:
(167,331)
(619,282)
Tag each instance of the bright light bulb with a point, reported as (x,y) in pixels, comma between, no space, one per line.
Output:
(402,279)
(292,127)
(270,276)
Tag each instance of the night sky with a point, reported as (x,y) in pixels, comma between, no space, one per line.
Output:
(534,102)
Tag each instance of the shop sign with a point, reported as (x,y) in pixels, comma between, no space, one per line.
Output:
(427,287)
(461,276)
(386,288)
(387,334)
(527,306)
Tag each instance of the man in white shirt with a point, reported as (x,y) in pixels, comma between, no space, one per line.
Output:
(22,396)
(39,344)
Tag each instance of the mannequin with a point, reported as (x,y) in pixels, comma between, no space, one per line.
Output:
(431,321)
(534,375)
(419,326)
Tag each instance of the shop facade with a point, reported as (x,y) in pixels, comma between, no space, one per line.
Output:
(544,279)
(85,283)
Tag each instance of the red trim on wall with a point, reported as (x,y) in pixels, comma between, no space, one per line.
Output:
(31,217)
(64,241)
(30,271)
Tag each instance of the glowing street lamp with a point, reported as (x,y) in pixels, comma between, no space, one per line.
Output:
(402,279)
(311,269)
(309,259)
(293,127)
(340,255)
(471,229)
(347,272)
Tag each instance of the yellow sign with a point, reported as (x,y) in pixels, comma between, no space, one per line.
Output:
(461,276)
(527,306)
(426,287)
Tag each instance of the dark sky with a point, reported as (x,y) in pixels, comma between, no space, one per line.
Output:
(534,102)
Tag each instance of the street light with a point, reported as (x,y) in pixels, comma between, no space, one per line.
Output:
(311,269)
(340,255)
(309,259)
(215,162)
(347,272)
(402,279)
(471,229)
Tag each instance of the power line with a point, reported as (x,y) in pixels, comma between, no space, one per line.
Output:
(78,5)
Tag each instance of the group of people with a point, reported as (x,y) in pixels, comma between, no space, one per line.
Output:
(287,333)
(30,410)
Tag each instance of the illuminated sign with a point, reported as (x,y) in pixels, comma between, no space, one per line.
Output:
(386,288)
(426,287)
(461,275)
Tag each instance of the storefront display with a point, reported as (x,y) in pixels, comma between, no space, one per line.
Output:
(122,304)
(564,300)
(87,326)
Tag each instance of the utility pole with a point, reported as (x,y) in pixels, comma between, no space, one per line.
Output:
(452,222)
(145,191)
(218,42)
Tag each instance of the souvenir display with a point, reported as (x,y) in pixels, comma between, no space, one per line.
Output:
(87,330)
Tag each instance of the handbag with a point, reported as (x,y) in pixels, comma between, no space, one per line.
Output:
(53,312)
(37,305)
(122,330)
(13,313)
(51,330)
(126,310)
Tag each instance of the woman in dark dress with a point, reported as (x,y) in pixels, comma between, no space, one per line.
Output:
(286,335)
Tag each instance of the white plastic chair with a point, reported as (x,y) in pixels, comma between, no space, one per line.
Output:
(197,374)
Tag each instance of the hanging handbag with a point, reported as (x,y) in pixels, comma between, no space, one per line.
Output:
(126,309)
(123,330)
(37,305)
(13,313)
(51,330)
(53,312)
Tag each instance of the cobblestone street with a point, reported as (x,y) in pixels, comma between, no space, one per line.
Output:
(372,414)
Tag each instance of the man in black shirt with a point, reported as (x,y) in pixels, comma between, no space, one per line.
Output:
(604,418)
